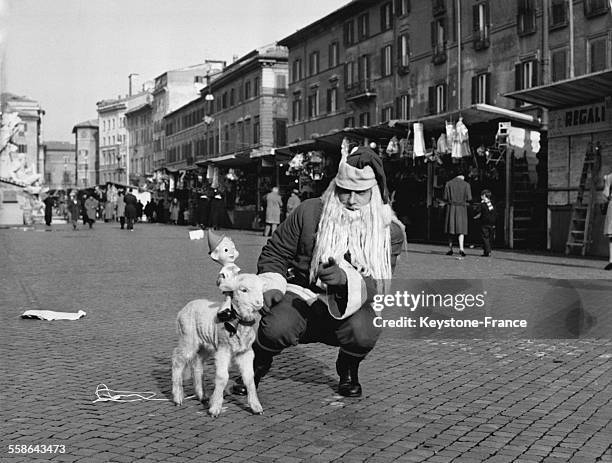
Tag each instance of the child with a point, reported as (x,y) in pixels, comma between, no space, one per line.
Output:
(488,217)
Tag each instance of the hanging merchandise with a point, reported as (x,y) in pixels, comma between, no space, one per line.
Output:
(461,143)
(442,145)
(419,140)
(393,147)
(450,136)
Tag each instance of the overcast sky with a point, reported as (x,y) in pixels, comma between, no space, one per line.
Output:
(69,54)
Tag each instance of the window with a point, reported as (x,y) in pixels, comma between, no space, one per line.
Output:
(526,75)
(247,90)
(232,98)
(349,33)
(297,108)
(224,100)
(256,130)
(363,26)
(387,114)
(281,84)
(332,100)
(437,99)
(481,88)
(558,14)
(481,25)
(386,16)
(349,74)
(403,107)
(559,65)
(22,148)
(438,40)
(313,104)
(597,52)
(364,119)
(296,71)
(280,132)
(363,69)
(386,66)
(349,122)
(402,7)
(438,7)
(256,86)
(526,17)
(333,54)
(403,52)
(595,7)
(313,63)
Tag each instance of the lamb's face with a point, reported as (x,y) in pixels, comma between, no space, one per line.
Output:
(247,297)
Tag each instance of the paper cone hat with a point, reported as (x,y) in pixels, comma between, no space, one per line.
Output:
(213,241)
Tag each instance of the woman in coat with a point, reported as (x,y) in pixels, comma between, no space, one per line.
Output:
(121,209)
(174,211)
(457,194)
(74,210)
(131,209)
(274,203)
(91,206)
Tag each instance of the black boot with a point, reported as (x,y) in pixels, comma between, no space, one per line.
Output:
(347,367)
(261,366)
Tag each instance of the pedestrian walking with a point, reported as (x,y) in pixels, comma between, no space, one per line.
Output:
(607,196)
(131,209)
(218,213)
(139,209)
(334,247)
(488,217)
(91,206)
(202,211)
(294,201)
(148,210)
(161,208)
(457,194)
(121,209)
(74,210)
(174,211)
(274,204)
(48,201)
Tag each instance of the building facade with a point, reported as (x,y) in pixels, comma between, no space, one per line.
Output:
(114,142)
(140,143)
(60,165)
(378,67)
(171,90)
(86,150)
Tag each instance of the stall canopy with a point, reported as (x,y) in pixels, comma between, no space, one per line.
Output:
(474,114)
(567,93)
(230,160)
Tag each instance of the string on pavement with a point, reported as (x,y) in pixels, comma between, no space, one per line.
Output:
(104,394)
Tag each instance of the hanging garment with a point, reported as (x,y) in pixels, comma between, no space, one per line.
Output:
(461,144)
(419,140)
(450,136)
(442,145)
(403,147)
(393,147)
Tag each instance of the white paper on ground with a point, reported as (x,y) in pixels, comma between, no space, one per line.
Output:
(51,315)
(196,234)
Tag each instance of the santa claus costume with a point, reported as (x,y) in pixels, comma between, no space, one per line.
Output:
(323,267)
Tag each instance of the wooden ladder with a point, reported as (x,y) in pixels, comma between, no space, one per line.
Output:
(581,217)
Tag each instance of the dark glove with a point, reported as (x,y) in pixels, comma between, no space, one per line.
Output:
(331,274)
(271,298)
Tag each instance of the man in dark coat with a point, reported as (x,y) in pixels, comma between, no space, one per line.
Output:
(202,211)
(74,210)
(457,194)
(323,267)
(131,209)
(48,210)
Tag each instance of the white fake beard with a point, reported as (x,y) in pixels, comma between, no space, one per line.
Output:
(363,233)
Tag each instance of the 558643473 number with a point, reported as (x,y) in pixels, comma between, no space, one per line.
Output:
(36,448)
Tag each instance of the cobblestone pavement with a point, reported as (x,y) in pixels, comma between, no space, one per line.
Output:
(425,400)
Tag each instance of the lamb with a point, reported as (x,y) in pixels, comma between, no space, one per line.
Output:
(201,335)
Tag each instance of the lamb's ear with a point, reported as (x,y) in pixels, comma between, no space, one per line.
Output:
(228,284)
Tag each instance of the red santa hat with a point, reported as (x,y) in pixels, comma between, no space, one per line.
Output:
(360,170)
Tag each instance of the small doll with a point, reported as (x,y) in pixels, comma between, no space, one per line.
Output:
(223,251)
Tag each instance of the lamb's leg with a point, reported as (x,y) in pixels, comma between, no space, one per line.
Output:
(245,365)
(197,371)
(181,355)
(222,363)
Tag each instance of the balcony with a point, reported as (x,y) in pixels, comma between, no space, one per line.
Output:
(360,90)
(439,54)
(481,39)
